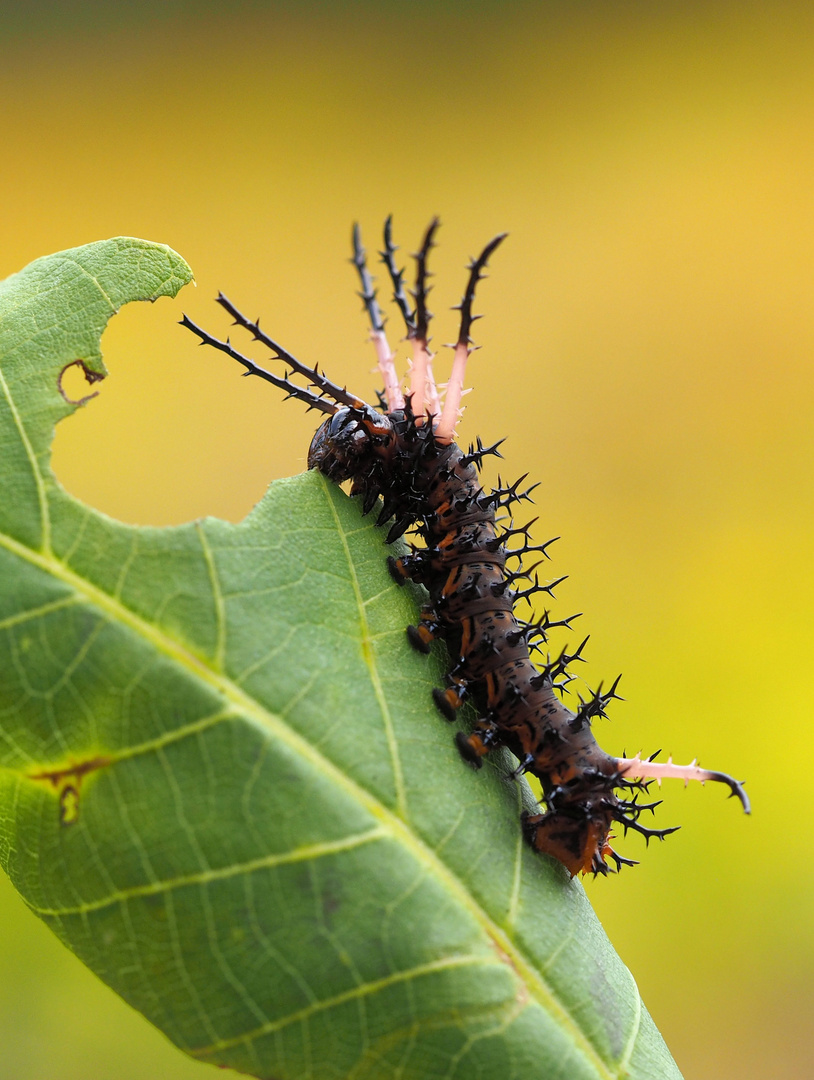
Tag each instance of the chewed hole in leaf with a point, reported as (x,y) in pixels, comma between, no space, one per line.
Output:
(74,380)
(169,438)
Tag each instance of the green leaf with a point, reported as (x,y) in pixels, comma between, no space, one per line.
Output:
(223,784)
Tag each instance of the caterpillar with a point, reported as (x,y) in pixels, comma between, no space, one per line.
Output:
(403,456)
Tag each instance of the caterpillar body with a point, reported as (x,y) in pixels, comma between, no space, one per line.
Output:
(404,453)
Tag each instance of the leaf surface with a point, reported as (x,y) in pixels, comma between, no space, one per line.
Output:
(223,785)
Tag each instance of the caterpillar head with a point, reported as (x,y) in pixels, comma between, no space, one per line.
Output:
(348,440)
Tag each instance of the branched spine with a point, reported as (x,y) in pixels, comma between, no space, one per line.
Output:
(476,269)
(388,257)
(313,401)
(368,293)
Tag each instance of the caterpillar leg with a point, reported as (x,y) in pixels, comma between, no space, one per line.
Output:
(412,567)
(397,571)
(473,747)
(405,568)
(450,700)
(422,636)
(522,768)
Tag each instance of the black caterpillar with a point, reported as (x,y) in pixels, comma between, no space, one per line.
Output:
(404,454)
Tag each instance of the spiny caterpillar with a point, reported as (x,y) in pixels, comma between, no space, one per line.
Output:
(404,454)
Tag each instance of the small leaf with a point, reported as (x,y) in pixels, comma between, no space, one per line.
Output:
(223,784)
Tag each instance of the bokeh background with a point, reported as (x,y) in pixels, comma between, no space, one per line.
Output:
(648,346)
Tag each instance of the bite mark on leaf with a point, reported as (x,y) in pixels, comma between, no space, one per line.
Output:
(73,385)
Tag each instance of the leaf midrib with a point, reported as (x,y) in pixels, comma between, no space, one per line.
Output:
(254,712)
(378,690)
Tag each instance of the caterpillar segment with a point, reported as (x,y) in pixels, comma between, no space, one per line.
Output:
(402,459)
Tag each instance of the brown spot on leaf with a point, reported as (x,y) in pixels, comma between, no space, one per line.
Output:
(67,782)
(69,805)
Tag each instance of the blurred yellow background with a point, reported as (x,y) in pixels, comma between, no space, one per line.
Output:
(648,346)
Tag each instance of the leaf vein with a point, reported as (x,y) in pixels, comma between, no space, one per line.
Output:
(363,990)
(217,598)
(157,887)
(45,521)
(623,1064)
(398,775)
(38,612)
